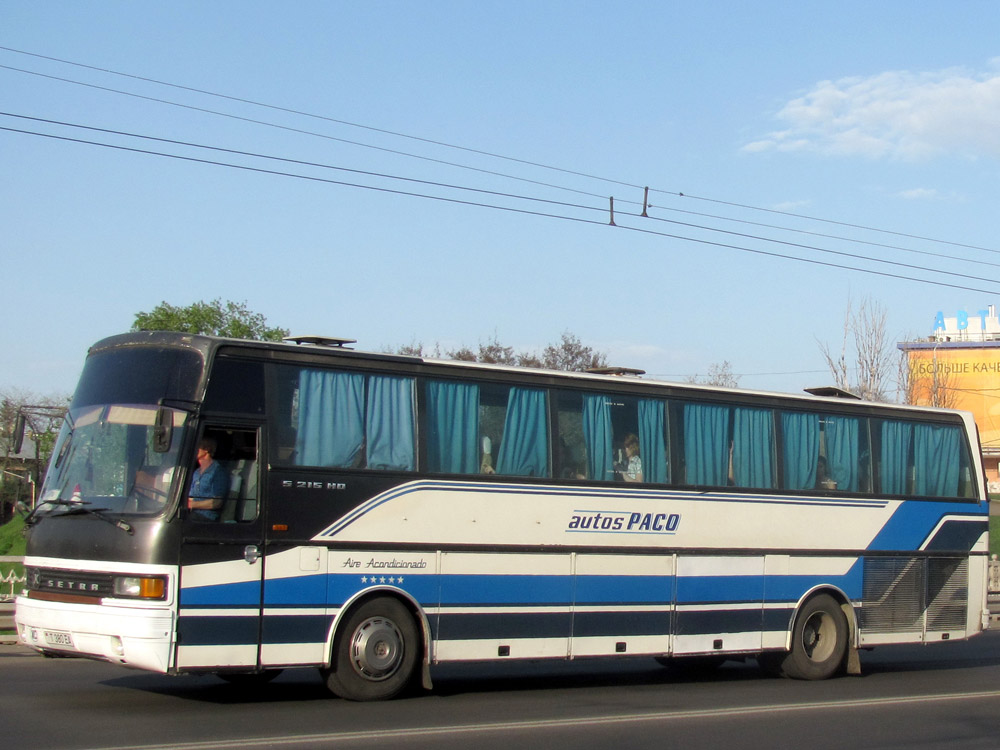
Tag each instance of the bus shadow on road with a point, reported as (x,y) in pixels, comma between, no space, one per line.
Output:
(302,685)
(971,654)
(528,676)
(293,686)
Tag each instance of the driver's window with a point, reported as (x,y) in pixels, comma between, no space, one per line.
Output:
(223,481)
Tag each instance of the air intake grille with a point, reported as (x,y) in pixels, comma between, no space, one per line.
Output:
(908,594)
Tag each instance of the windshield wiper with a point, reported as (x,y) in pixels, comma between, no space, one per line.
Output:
(33,518)
(78,507)
(82,506)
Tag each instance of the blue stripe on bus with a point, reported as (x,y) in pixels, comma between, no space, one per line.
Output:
(500,625)
(426,589)
(295,628)
(212,631)
(244,594)
(292,629)
(590,624)
(790,588)
(708,622)
(958,535)
(534,590)
(506,589)
(914,520)
(524,590)
(624,589)
(297,591)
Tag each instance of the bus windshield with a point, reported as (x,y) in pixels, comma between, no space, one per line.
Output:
(105,457)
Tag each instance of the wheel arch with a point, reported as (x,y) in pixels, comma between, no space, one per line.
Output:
(852,660)
(846,605)
(404,598)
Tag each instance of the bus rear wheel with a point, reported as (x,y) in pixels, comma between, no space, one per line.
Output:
(819,641)
(375,653)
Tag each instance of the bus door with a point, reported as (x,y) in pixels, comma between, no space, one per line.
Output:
(221,557)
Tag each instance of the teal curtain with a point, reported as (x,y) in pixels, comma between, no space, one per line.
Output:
(800,443)
(331,427)
(937,459)
(706,444)
(753,448)
(452,435)
(652,444)
(391,432)
(524,450)
(897,439)
(842,452)
(597,437)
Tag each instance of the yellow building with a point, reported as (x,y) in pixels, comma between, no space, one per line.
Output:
(958,367)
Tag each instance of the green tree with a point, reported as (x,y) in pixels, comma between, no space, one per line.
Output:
(571,354)
(215,318)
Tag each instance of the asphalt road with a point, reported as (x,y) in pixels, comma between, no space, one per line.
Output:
(942,696)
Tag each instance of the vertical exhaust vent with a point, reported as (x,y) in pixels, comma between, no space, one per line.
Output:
(914,594)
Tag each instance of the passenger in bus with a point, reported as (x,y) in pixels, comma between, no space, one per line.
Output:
(633,465)
(486,463)
(209,485)
(823,480)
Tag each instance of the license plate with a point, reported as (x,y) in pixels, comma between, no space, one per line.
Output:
(55,638)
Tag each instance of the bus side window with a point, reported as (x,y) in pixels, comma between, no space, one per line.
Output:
(519,416)
(571,452)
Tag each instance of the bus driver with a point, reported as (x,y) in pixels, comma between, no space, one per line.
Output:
(209,484)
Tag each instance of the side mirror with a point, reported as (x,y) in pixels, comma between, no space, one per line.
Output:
(17,437)
(163,430)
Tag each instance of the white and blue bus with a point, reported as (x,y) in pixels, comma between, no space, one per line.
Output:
(384,514)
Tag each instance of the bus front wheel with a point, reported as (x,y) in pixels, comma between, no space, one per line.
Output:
(819,641)
(375,653)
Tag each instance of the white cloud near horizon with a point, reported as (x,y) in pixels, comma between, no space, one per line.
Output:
(917,194)
(896,114)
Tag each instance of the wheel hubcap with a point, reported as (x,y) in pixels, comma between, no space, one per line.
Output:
(376,648)
(819,636)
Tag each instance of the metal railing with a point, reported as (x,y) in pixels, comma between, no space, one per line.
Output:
(10,580)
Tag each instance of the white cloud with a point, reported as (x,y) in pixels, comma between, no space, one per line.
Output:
(918,194)
(897,114)
(791,206)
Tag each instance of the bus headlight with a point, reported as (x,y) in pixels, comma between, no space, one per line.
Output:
(140,587)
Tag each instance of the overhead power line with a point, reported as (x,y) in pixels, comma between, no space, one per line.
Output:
(481,152)
(542,214)
(432,183)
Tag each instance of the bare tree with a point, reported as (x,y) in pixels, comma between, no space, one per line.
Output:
(873,350)
(720,375)
(838,363)
(939,390)
(865,328)
(569,354)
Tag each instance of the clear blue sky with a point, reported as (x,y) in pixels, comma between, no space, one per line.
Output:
(880,115)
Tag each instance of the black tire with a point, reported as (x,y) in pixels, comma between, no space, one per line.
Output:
(819,640)
(375,652)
